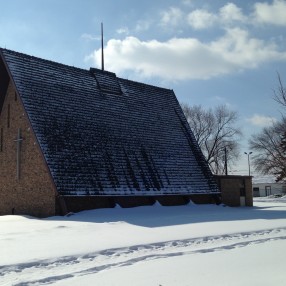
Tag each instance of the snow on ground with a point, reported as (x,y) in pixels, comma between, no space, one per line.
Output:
(167,246)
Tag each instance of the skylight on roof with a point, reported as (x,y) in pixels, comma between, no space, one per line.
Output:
(107,81)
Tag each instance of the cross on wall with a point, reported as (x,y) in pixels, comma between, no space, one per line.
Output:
(18,141)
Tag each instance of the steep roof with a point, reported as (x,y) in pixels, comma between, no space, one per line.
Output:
(104,135)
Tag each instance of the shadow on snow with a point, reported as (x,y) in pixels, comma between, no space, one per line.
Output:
(159,216)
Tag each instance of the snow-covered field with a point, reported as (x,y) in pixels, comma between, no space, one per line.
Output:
(167,246)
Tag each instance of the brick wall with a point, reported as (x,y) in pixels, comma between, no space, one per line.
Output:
(233,188)
(33,192)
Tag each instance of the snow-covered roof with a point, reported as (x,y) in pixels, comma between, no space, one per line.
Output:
(104,135)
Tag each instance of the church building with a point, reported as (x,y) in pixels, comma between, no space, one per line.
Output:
(73,139)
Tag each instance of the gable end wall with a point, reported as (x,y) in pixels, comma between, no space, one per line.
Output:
(33,193)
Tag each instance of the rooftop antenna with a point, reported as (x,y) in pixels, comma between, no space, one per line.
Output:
(102,52)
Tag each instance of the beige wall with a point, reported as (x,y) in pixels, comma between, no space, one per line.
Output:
(33,193)
(273,189)
(231,187)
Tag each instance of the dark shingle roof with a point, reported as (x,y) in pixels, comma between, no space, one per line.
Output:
(101,134)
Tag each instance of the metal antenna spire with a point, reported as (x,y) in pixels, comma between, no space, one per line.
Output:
(102,52)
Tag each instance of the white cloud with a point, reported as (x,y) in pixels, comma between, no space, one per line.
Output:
(142,25)
(123,30)
(172,16)
(238,49)
(90,37)
(188,58)
(201,19)
(188,2)
(228,15)
(274,13)
(231,13)
(261,121)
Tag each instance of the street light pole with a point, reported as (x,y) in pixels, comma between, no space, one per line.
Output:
(248,154)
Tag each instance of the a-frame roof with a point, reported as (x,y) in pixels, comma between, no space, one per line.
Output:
(104,135)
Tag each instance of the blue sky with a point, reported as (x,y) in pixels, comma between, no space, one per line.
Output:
(209,52)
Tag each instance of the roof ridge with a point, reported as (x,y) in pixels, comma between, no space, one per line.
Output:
(145,84)
(40,59)
(81,69)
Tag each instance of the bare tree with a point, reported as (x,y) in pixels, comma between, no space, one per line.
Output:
(281,175)
(215,132)
(269,145)
(280,93)
(269,155)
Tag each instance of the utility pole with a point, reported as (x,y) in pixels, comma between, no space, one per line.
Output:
(225,160)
